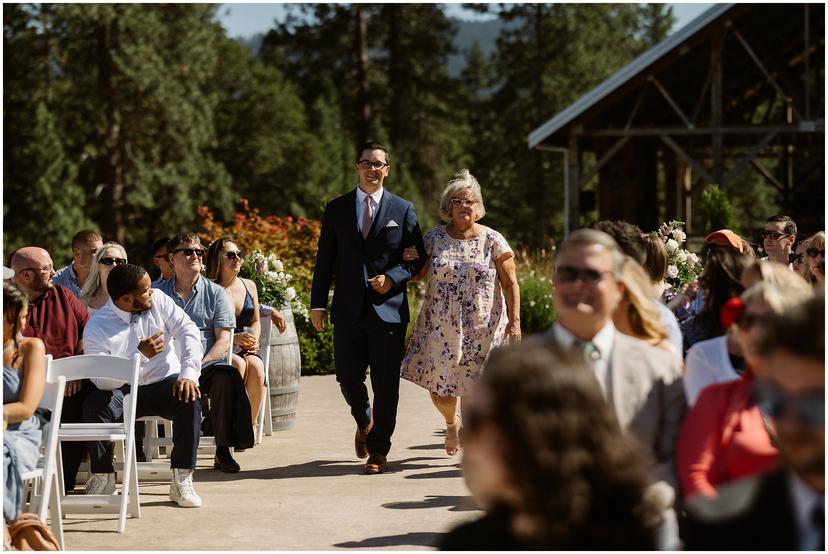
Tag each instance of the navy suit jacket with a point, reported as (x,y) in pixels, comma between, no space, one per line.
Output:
(342,253)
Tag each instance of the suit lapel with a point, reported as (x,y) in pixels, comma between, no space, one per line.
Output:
(382,216)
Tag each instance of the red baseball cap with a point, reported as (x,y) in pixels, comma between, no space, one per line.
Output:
(725,237)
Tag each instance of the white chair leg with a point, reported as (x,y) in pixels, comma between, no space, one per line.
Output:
(55,514)
(268,423)
(134,500)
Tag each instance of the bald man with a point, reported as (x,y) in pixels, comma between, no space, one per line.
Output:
(57,318)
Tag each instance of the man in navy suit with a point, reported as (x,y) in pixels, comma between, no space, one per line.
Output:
(361,244)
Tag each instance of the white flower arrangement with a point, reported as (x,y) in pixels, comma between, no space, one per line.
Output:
(682,266)
(268,272)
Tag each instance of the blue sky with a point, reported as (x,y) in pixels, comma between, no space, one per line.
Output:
(248,19)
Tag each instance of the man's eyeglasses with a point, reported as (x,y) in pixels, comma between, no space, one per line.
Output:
(807,407)
(365,164)
(234,256)
(814,252)
(773,235)
(47,269)
(112,261)
(569,274)
(458,202)
(190,251)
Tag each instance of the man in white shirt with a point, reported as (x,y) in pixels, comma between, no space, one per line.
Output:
(778,239)
(134,320)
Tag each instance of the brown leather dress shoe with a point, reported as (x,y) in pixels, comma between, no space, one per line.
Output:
(376,464)
(361,441)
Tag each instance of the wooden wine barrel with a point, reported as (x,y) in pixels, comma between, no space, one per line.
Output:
(283,371)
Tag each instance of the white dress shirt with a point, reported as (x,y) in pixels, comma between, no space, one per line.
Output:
(115,332)
(804,499)
(707,363)
(603,340)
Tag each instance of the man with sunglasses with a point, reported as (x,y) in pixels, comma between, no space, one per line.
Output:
(641,382)
(778,239)
(364,233)
(228,418)
(782,509)
(57,318)
(84,245)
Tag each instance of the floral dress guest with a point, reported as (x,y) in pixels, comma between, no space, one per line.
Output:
(464,315)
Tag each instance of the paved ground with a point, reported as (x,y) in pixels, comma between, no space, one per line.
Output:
(303,489)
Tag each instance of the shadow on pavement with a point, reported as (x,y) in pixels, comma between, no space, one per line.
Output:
(409,539)
(453,503)
(448,474)
(427,447)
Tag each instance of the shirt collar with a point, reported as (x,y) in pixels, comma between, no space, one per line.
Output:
(376,196)
(126,317)
(603,339)
(196,287)
(804,498)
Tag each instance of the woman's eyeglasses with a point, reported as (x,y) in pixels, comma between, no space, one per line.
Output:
(798,258)
(234,256)
(458,202)
(112,261)
(814,252)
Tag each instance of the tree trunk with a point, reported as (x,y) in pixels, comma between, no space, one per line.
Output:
(112,197)
(363,108)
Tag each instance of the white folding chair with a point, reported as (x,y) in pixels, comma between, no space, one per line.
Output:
(265,422)
(120,369)
(44,495)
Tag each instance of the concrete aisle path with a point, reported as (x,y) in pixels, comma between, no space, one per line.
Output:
(303,489)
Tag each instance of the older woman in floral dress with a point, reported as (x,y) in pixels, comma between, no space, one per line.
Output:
(470,268)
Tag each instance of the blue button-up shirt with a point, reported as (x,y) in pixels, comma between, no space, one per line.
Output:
(66,277)
(208,307)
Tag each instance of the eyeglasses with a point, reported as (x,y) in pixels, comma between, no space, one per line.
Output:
(569,274)
(774,235)
(365,164)
(798,258)
(111,261)
(458,202)
(234,256)
(814,252)
(46,269)
(190,251)
(807,407)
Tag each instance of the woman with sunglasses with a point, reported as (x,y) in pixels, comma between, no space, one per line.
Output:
(545,457)
(224,260)
(723,436)
(94,294)
(470,268)
(24,376)
(799,261)
(816,259)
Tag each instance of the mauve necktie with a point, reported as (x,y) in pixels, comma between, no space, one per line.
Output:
(366,218)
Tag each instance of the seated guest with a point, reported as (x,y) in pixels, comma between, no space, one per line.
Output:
(778,238)
(24,375)
(727,257)
(94,294)
(637,314)
(723,437)
(161,260)
(224,261)
(816,259)
(57,318)
(783,509)
(73,276)
(136,321)
(545,456)
(207,305)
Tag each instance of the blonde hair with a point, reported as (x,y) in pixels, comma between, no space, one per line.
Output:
(462,180)
(92,287)
(805,267)
(772,272)
(642,312)
(783,291)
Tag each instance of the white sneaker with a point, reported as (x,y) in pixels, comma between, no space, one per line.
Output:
(101,483)
(181,489)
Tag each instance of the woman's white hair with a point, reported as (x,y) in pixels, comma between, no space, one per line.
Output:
(462,180)
(92,286)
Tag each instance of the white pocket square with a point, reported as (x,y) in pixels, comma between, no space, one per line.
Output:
(391,223)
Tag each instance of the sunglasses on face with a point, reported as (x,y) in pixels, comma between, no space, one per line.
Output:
(234,256)
(798,258)
(773,235)
(569,274)
(814,252)
(112,261)
(190,251)
(808,407)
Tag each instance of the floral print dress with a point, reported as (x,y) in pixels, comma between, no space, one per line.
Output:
(463,315)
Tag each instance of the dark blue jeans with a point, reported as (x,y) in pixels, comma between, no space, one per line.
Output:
(375,343)
(155,399)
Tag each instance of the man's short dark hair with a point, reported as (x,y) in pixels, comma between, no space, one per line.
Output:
(124,279)
(180,239)
(372,145)
(157,245)
(799,330)
(85,237)
(790,225)
(627,235)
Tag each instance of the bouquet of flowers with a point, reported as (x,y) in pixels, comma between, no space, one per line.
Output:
(682,266)
(268,272)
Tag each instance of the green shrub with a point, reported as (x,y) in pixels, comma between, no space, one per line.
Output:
(537,307)
(719,212)
(316,348)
